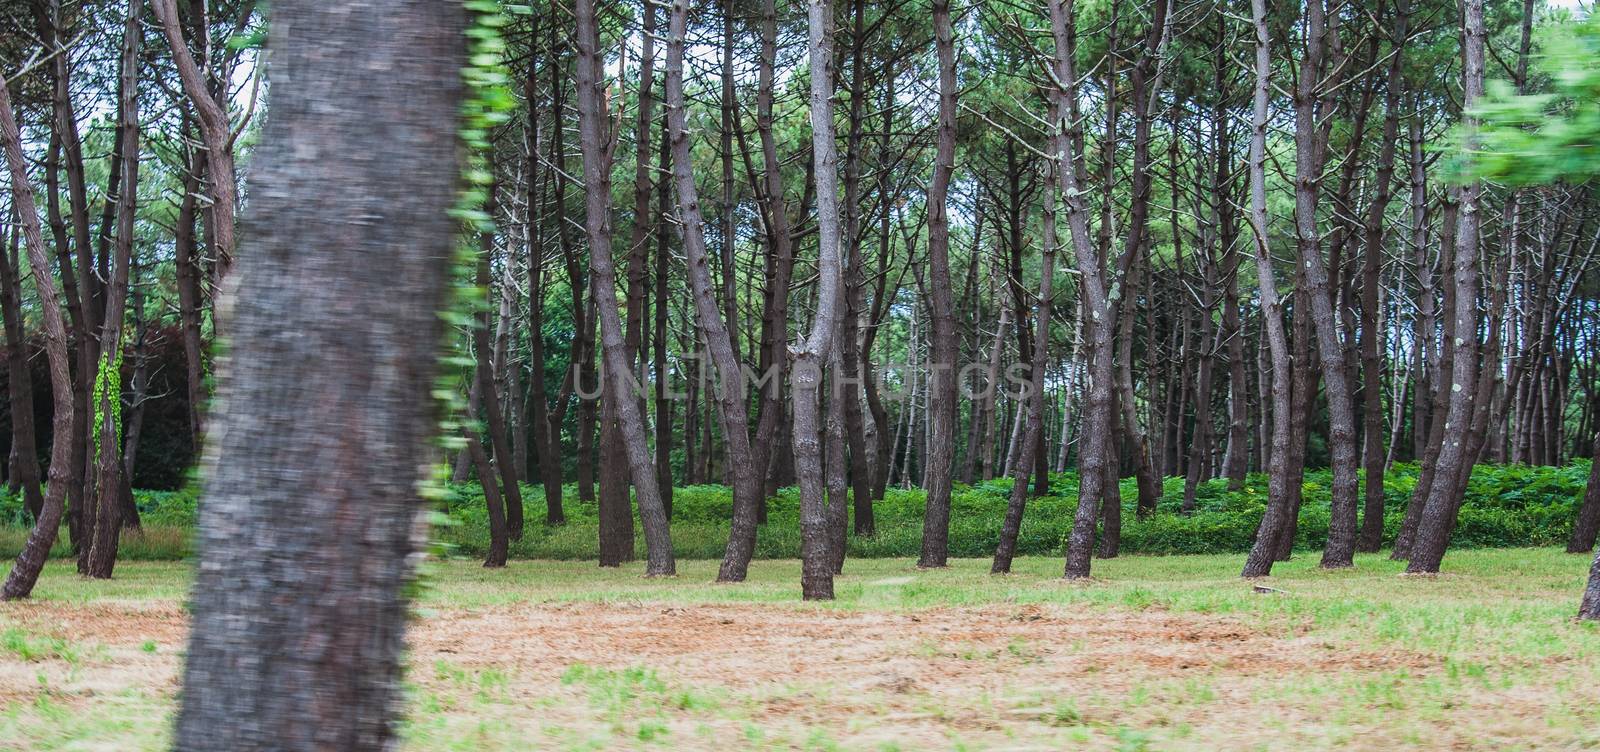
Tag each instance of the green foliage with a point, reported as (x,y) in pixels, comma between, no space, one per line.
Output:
(1506,506)
(108,381)
(488,104)
(1535,139)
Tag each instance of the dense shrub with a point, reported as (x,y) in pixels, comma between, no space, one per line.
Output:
(1509,505)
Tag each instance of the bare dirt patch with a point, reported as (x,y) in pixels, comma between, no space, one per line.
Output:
(708,676)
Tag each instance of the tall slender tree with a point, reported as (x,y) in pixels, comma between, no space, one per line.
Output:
(810,355)
(597,144)
(1280,503)
(1454,461)
(944,349)
(47,525)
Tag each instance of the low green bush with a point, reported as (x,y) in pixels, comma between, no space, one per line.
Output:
(1506,506)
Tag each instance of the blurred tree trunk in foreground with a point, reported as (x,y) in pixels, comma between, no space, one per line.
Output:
(311,511)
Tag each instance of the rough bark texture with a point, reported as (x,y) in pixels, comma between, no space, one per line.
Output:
(1587,526)
(19,382)
(1591,507)
(1310,150)
(944,347)
(311,514)
(108,473)
(19,582)
(1455,455)
(1280,506)
(729,391)
(1589,608)
(1099,305)
(498,539)
(617,372)
(809,357)
(215,129)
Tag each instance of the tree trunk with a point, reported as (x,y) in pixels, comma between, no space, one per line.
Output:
(19,582)
(1425,357)
(187,274)
(639,236)
(596,148)
(299,605)
(479,459)
(809,355)
(765,449)
(986,403)
(1310,148)
(1144,68)
(1099,305)
(134,421)
(1034,396)
(1438,516)
(945,348)
(729,392)
(834,446)
(215,129)
(1371,537)
(728,235)
(24,441)
(1303,396)
(1280,505)
(1439,400)
(108,469)
(546,434)
(488,392)
(615,509)
(1236,459)
(1587,526)
(855,351)
(658,342)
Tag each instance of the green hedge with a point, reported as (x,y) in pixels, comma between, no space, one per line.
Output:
(1509,505)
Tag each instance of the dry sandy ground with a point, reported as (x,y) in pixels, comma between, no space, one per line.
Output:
(593,676)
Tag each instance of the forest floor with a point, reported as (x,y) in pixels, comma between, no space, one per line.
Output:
(1155,653)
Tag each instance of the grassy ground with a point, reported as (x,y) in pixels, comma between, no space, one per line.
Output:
(1156,653)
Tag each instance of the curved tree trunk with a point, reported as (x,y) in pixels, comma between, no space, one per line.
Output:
(489,393)
(1099,305)
(215,129)
(617,373)
(1310,149)
(1280,505)
(718,332)
(19,582)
